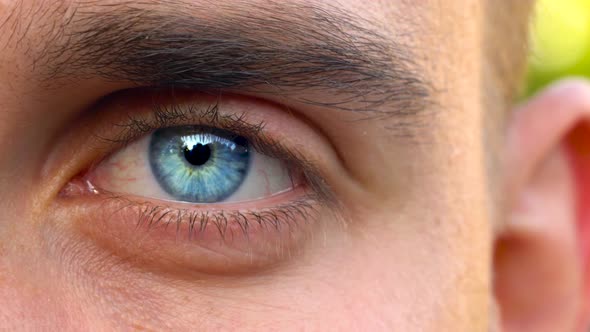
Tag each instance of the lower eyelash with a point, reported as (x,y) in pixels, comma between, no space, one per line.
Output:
(286,217)
(195,239)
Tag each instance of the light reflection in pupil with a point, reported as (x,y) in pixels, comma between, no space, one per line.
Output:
(198,155)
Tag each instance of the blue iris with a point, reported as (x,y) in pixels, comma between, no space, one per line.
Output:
(199,164)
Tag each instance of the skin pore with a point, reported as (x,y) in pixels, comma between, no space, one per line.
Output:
(392,118)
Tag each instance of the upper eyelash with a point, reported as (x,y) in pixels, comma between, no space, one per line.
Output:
(167,115)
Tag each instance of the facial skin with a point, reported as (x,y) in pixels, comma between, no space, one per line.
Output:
(420,201)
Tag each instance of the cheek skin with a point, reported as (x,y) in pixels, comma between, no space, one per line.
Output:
(344,282)
(421,269)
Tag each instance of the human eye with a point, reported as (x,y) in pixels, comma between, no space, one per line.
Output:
(195,164)
(237,184)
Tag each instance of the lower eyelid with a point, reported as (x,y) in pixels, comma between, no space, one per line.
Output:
(203,240)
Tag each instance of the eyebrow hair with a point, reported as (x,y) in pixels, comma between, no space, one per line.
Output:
(285,48)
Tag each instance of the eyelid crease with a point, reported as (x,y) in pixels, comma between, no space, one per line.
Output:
(171,114)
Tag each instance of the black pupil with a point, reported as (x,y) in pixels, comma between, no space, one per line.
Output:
(198,155)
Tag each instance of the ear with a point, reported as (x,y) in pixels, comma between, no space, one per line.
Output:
(541,270)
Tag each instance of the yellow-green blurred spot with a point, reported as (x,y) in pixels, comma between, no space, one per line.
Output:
(561,34)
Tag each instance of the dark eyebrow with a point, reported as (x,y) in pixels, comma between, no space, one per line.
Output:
(275,47)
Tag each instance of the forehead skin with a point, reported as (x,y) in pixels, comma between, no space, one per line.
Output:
(416,256)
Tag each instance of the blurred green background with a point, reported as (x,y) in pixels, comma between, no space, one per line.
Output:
(560,42)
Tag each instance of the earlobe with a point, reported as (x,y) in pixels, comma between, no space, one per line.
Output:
(541,257)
